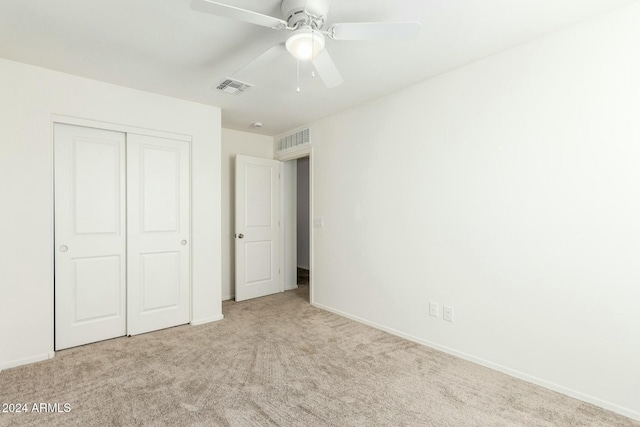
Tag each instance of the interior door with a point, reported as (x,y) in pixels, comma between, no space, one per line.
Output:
(158,199)
(257,227)
(90,235)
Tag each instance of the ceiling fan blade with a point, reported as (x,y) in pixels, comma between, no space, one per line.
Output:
(233,12)
(374,30)
(327,70)
(261,61)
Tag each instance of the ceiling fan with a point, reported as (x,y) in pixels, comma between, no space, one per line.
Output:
(305,19)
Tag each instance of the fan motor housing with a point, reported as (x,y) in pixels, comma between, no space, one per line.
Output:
(293,11)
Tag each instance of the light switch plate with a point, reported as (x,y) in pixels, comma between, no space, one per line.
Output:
(447,313)
(433,309)
(318,222)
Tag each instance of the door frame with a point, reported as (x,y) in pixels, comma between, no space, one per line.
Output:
(285,157)
(77,121)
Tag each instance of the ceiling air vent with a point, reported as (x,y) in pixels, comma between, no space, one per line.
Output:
(294,140)
(233,87)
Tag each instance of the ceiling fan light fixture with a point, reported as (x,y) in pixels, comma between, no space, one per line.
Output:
(305,44)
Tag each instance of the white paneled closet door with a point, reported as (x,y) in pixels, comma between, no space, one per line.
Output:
(122,230)
(158,273)
(90,235)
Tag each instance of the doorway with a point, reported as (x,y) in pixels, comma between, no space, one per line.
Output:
(122,226)
(297,191)
(302,222)
(282,213)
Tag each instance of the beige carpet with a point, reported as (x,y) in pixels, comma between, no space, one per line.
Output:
(277,361)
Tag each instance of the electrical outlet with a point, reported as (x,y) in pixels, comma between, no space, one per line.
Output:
(447,313)
(433,309)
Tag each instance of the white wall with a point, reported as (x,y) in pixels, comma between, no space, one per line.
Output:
(233,143)
(302,212)
(30,96)
(508,189)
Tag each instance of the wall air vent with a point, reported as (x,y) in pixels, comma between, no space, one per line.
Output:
(294,140)
(233,87)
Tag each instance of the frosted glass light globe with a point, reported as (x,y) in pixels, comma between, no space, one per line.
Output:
(305,44)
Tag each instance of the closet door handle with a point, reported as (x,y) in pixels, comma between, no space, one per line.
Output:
(183,243)
(64,248)
(240,236)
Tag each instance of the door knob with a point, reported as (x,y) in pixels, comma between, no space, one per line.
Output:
(183,243)
(240,236)
(64,248)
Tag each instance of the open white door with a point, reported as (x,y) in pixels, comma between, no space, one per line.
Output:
(257,227)
(90,235)
(158,270)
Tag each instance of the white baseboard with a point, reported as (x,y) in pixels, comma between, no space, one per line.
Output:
(228,297)
(26,361)
(207,320)
(627,412)
(291,288)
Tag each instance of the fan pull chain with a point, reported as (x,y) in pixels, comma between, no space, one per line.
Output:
(298,75)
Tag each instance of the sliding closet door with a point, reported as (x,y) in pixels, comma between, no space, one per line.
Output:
(158,222)
(90,235)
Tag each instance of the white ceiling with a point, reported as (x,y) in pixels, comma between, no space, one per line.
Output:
(165,47)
